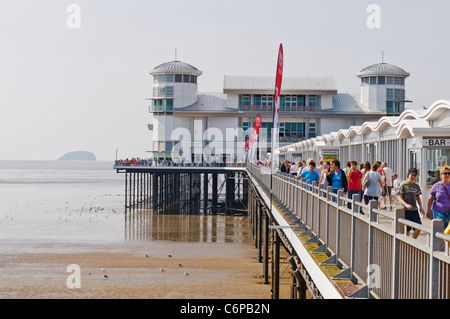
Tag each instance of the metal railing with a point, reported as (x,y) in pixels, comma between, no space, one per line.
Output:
(373,245)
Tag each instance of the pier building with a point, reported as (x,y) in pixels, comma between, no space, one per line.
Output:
(419,139)
(309,107)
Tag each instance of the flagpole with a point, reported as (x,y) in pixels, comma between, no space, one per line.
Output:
(278,80)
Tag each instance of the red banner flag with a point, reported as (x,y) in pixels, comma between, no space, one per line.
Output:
(276,108)
(253,138)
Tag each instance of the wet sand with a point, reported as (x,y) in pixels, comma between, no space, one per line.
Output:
(217,271)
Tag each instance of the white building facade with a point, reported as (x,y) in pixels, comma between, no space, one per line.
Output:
(412,139)
(214,126)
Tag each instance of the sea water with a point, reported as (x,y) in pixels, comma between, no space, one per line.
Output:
(84,201)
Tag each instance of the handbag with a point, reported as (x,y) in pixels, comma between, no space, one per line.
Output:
(366,181)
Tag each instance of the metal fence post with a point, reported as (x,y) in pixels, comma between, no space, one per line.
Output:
(339,201)
(327,222)
(436,244)
(355,210)
(397,229)
(373,204)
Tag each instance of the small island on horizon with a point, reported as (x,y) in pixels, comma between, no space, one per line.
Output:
(78,156)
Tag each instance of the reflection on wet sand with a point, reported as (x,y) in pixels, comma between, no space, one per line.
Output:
(146,225)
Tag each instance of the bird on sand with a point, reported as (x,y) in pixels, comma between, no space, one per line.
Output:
(106,276)
(186,273)
(180,265)
(170,256)
(160,269)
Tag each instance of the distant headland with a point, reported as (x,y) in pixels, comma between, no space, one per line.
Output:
(78,156)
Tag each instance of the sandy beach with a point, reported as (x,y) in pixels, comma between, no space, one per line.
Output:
(40,271)
(58,214)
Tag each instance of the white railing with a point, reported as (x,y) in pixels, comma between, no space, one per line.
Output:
(373,245)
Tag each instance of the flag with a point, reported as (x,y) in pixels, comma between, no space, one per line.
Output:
(276,107)
(253,138)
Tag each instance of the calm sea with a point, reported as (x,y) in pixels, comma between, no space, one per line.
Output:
(84,201)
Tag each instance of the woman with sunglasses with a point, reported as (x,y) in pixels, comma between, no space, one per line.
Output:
(439,200)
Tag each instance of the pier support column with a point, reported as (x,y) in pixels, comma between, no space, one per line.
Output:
(214,192)
(126,190)
(266,249)
(155,192)
(275,265)
(259,237)
(205,193)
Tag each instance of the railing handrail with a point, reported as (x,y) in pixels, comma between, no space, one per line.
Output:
(436,247)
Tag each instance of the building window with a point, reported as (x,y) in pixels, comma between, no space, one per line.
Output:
(399,81)
(373,80)
(186,78)
(262,103)
(169,105)
(436,159)
(312,130)
(162,105)
(163,91)
(312,104)
(267,126)
(395,80)
(292,103)
(291,132)
(381,80)
(163,78)
(395,94)
(244,102)
(193,79)
(394,107)
(178,77)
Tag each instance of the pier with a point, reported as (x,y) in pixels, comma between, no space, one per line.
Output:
(186,189)
(334,252)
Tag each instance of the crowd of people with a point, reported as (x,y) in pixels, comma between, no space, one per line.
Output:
(378,182)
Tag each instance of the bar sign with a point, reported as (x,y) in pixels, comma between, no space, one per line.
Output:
(436,141)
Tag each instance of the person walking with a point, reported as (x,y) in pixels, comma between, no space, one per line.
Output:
(323,176)
(438,205)
(388,183)
(293,169)
(283,167)
(320,167)
(336,178)
(372,184)
(354,182)
(310,175)
(409,196)
(366,168)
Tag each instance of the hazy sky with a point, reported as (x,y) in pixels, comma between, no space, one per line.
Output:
(64,89)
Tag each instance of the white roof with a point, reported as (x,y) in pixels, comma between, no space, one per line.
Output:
(210,102)
(382,69)
(348,103)
(267,83)
(406,124)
